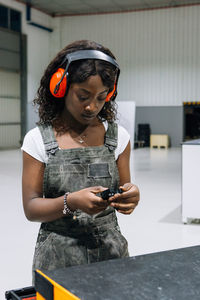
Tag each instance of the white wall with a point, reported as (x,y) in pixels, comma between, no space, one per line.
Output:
(38,44)
(157,51)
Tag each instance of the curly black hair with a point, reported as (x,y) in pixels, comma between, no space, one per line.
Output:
(49,107)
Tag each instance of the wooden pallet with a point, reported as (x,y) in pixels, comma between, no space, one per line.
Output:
(159,141)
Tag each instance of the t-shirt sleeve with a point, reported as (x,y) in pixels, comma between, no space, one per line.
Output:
(123,139)
(34,146)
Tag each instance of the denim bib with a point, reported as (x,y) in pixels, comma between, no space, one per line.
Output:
(82,238)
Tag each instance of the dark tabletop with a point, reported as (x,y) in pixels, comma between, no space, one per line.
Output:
(168,275)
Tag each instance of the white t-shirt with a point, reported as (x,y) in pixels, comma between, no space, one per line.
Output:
(33,143)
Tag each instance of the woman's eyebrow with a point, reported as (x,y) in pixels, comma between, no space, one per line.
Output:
(88,92)
(104,91)
(84,90)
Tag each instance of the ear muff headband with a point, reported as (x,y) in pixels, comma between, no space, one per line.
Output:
(58,82)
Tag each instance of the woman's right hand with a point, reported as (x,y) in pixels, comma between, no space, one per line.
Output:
(87,200)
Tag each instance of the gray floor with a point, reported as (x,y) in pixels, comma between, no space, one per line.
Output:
(154,226)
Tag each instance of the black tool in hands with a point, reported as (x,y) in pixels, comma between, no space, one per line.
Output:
(110,192)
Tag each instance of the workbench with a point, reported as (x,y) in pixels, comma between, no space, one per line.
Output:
(167,275)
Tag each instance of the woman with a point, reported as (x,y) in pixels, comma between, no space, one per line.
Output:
(74,154)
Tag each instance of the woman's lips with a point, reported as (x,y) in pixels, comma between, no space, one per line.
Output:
(88,117)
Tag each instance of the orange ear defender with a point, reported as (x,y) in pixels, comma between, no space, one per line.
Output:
(111,94)
(55,79)
(58,81)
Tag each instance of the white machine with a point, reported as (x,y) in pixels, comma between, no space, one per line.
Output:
(190,180)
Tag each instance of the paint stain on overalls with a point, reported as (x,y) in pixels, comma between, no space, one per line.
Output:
(82,239)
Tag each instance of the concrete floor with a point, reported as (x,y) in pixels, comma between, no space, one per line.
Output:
(154,226)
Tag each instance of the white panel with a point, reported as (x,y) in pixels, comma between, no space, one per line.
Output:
(40,18)
(9,110)
(9,136)
(37,44)
(9,84)
(126,117)
(157,51)
(9,96)
(38,58)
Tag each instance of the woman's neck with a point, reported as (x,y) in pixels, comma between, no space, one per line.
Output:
(66,123)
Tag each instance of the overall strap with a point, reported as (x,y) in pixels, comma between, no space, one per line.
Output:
(111,136)
(50,143)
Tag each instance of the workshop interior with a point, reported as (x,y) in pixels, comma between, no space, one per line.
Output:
(156,44)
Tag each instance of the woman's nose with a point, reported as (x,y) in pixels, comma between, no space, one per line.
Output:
(92,106)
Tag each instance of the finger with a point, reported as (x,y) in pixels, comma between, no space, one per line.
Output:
(126,186)
(129,187)
(99,202)
(102,204)
(125,212)
(129,194)
(114,198)
(123,206)
(98,189)
(124,199)
(133,193)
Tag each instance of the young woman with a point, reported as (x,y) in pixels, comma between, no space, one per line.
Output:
(74,154)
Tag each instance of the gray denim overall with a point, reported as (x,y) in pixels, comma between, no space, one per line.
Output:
(81,239)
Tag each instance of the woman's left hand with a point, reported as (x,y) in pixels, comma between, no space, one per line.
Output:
(126,202)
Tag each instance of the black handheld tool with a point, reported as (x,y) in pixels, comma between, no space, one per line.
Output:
(110,192)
